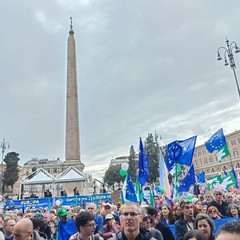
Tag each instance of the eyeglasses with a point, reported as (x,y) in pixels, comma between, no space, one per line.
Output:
(132,214)
(145,219)
(92,225)
(188,207)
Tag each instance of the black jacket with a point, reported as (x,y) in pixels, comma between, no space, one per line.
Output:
(165,230)
(180,228)
(143,235)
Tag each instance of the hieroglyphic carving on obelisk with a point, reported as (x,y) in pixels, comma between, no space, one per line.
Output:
(72,151)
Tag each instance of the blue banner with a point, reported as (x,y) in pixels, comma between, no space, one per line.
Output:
(49,202)
(217,223)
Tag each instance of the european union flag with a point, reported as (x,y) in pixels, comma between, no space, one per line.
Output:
(201,177)
(169,164)
(216,141)
(143,174)
(180,151)
(130,190)
(187,181)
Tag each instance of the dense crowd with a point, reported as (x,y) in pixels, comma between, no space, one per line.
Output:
(192,218)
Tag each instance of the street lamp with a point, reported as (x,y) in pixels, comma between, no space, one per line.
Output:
(4,145)
(229,59)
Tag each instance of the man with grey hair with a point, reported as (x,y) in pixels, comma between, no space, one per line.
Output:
(229,231)
(218,202)
(130,220)
(8,226)
(91,208)
(229,197)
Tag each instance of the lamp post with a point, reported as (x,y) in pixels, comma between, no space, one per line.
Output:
(4,145)
(229,59)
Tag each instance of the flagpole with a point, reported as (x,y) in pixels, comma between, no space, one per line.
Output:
(176,180)
(231,161)
(233,169)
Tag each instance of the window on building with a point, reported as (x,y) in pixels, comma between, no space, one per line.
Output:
(204,152)
(196,163)
(212,170)
(233,142)
(205,161)
(224,168)
(200,162)
(210,159)
(195,155)
(235,153)
(238,139)
(199,154)
(237,165)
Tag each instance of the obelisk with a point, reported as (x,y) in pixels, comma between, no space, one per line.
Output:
(72,150)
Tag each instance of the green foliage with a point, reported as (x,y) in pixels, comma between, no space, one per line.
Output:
(112,175)
(152,151)
(10,176)
(133,165)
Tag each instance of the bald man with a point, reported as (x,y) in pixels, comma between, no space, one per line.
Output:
(23,229)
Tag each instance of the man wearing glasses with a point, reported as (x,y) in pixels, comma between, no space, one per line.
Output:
(85,225)
(219,203)
(185,223)
(146,223)
(130,220)
(155,223)
(91,208)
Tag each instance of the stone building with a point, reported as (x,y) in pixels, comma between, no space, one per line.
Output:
(207,162)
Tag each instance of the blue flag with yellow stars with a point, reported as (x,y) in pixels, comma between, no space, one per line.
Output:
(187,181)
(216,141)
(180,151)
(143,174)
(130,190)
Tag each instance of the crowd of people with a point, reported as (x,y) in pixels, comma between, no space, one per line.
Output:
(192,218)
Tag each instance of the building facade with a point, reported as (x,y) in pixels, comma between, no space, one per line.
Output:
(208,162)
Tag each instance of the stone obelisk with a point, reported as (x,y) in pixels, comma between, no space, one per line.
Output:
(72,150)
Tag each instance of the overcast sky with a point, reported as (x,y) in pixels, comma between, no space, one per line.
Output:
(143,66)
